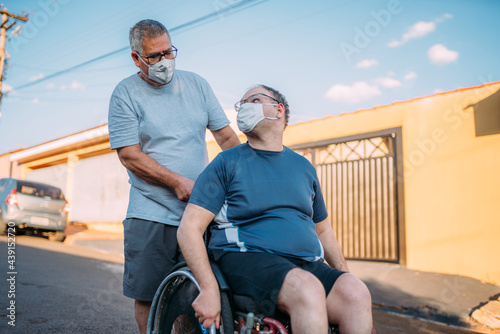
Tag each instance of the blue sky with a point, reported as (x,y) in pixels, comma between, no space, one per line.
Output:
(327,56)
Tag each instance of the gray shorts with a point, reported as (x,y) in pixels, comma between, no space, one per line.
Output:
(151,250)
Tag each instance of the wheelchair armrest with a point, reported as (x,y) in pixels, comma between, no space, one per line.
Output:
(219,276)
(215,268)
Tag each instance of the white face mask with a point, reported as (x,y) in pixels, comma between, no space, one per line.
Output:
(251,114)
(161,72)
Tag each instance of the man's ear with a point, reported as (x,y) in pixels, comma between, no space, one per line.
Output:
(281,115)
(281,110)
(135,58)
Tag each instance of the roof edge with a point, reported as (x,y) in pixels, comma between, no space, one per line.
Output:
(401,102)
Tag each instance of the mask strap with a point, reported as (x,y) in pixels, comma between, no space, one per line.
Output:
(271,104)
(143,61)
(147,76)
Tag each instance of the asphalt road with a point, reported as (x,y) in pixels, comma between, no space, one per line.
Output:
(56,288)
(55,292)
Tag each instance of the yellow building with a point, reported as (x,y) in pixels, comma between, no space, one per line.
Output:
(414,182)
(436,207)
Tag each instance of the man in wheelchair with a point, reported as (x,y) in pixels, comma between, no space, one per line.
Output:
(271,233)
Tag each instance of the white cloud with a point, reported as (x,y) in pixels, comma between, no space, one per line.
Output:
(367,63)
(418,30)
(410,76)
(388,82)
(393,44)
(75,85)
(444,17)
(440,55)
(36,100)
(36,77)
(358,91)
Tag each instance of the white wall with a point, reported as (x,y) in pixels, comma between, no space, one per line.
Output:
(54,175)
(100,190)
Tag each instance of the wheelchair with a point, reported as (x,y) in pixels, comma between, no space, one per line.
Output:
(171,311)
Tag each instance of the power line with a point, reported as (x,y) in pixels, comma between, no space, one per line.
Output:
(102,29)
(203,19)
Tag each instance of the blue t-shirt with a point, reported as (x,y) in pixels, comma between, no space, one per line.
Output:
(264,201)
(169,123)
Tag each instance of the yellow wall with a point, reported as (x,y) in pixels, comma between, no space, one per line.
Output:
(451,178)
(452,188)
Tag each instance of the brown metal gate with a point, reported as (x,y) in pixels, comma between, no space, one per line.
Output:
(359,182)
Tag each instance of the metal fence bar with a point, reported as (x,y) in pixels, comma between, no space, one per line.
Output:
(360,196)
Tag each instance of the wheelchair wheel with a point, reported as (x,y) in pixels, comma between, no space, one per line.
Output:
(174,313)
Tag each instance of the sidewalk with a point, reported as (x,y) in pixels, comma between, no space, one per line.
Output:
(450,299)
(106,242)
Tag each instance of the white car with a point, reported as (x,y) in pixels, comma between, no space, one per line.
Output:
(28,205)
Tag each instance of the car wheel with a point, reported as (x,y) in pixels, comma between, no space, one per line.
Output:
(56,236)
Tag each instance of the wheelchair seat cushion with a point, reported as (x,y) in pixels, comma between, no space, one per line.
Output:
(245,304)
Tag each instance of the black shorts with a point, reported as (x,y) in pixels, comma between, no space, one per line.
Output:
(261,275)
(151,250)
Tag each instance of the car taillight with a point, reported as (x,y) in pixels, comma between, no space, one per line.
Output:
(66,208)
(12,197)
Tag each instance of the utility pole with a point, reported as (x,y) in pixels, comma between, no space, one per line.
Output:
(6,25)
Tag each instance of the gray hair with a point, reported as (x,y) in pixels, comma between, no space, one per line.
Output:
(280,98)
(145,29)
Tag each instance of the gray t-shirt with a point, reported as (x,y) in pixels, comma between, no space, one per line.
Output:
(169,123)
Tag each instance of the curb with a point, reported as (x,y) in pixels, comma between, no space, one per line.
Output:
(91,235)
(489,315)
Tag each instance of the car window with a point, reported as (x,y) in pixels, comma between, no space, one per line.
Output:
(39,190)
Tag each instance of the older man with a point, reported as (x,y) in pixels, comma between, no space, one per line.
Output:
(272,234)
(157,123)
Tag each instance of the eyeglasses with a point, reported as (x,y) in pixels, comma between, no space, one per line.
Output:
(255,98)
(153,59)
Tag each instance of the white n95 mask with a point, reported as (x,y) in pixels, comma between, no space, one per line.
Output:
(251,114)
(161,72)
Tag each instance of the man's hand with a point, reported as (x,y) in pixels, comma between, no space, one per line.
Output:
(183,188)
(148,169)
(207,307)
